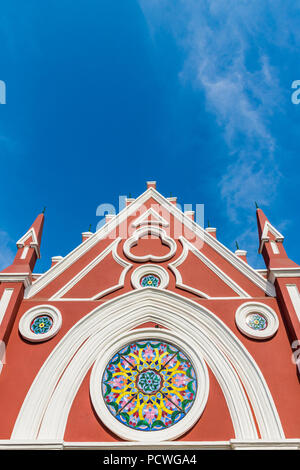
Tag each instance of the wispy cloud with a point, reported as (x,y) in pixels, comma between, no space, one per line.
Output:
(226,50)
(6,253)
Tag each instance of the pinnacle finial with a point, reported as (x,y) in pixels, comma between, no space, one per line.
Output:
(208,223)
(90,228)
(237,245)
(256,205)
(44,210)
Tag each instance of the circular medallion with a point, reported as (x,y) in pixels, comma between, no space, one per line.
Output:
(256,321)
(150,280)
(41,324)
(149,385)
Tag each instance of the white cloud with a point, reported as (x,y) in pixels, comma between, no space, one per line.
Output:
(224,44)
(6,253)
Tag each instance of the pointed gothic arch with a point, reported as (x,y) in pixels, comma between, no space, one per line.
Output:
(45,411)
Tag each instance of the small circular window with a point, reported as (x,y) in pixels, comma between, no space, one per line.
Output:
(256,321)
(149,385)
(150,280)
(41,324)
(150,275)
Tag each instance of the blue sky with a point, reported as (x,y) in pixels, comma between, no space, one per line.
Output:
(103,96)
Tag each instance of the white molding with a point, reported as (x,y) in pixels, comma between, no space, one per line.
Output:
(187,246)
(142,220)
(141,271)
(112,248)
(265,238)
(31,314)
(34,244)
(16,277)
(294,295)
(110,226)
(232,444)
(45,410)
(241,252)
(184,344)
(274,273)
(158,232)
(256,307)
(4,301)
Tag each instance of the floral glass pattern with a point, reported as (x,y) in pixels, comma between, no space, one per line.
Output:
(41,324)
(149,385)
(150,280)
(256,321)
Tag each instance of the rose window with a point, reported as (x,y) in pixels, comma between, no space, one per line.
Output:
(41,324)
(149,385)
(150,280)
(256,321)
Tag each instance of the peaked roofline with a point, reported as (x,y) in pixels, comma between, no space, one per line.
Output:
(100,234)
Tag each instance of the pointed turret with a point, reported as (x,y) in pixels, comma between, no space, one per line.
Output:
(28,248)
(271,244)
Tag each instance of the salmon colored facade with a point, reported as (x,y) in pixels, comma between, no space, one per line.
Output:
(150,334)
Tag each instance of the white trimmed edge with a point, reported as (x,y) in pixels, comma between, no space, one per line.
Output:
(141,271)
(256,307)
(175,431)
(31,314)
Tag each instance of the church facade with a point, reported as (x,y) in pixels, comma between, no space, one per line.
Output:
(151,334)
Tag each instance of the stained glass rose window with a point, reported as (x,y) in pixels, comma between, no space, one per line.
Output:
(41,324)
(256,321)
(149,385)
(150,280)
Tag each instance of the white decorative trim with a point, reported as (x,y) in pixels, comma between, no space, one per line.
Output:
(241,252)
(184,344)
(133,240)
(16,277)
(141,271)
(45,410)
(232,444)
(112,248)
(142,220)
(274,273)
(5,299)
(265,238)
(295,298)
(256,307)
(24,252)
(274,247)
(132,209)
(187,246)
(30,315)
(34,244)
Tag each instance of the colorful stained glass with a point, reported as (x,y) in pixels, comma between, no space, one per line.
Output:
(150,280)
(41,324)
(149,385)
(256,321)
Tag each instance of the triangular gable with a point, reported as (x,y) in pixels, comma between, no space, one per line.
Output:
(150,217)
(269,228)
(130,211)
(34,242)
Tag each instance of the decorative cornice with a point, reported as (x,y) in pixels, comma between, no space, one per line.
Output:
(274,273)
(16,277)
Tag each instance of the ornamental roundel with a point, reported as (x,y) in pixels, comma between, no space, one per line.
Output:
(256,320)
(150,280)
(149,385)
(40,323)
